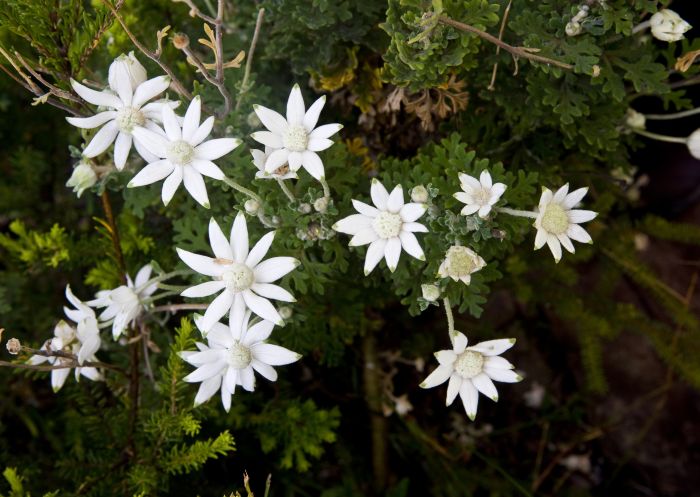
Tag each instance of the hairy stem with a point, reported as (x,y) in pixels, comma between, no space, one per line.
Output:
(675,115)
(450,317)
(661,138)
(516,212)
(286,190)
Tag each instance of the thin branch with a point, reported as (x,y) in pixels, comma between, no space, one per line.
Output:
(219,84)
(516,51)
(249,62)
(492,84)
(195,12)
(53,89)
(179,307)
(218,24)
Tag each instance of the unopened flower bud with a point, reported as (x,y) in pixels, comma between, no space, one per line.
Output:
(321,204)
(14,346)
(181,41)
(595,70)
(305,208)
(126,65)
(667,25)
(251,206)
(430,292)
(286,312)
(694,143)
(253,120)
(83,177)
(635,120)
(573,28)
(419,194)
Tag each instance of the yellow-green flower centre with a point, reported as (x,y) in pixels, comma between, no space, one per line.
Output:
(481,196)
(469,364)
(387,225)
(295,139)
(239,356)
(555,220)
(460,261)
(180,152)
(238,277)
(128,118)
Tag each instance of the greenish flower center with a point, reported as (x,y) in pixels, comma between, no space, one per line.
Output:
(239,356)
(469,364)
(238,277)
(387,225)
(295,139)
(555,220)
(180,152)
(481,196)
(128,118)
(460,261)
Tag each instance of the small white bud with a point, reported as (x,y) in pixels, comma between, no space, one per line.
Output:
(635,120)
(83,177)
(573,28)
(286,312)
(126,65)
(694,143)
(251,206)
(667,25)
(419,194)
(305,208)
(321,204)
(14,346)
(430,292)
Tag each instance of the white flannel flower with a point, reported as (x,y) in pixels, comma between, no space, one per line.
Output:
(182,154)
(558,222)
(124,303)
(296,139)
(388,227)
(459,264)
(259,159)
(129,66)
(243,280)
(231,356)
(88,332)
(479,194)
(127,108)
(471,370)
(83,177)
(667,25)
(65,340)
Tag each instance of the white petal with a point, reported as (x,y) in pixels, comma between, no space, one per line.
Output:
(576,232)
(578,216)
(468,210)
(497,190)
(122,146)
(410,244)
(503,375)
(573,198)
(262,307)
(470,398)
(58,377)
(353,224)
(274,355)
(459,342)
(143,276)
(260,249)
(484,384)
(540,238)
(484,211)
(265,370)
(200,263)
(213,149)
(230,379)
(88,348)
(194,183)
(171,125)
(271,119)
(554,246)
(453,388)
(273,269)
(219,336)
(497,362)
(205,371)
(207,168)
(395,201)
(92,121)
(375,252)
(379,195)
(102,140)
(171,184)
(258,332)
(313,164)
(319,144)
(239,238)
(276,160)
(445,356)
(363,237)
(153,142)
(392,253)
(295,159)
(485,180)
(412,211)
(149,89)
(545,198)
(268,139)
(326,131)
(414,228)
(295,107)
(204,289)
(311,117)
(493,347)
(560,194)
(190,123)
(247,379)
(219,244)
(270,291)
(469,181)
(217,309)
(143,151)
(226,399)
(202,132)
(441,374)
(238,317)
(366,209)
(207,389)
(101,98)
(566,243)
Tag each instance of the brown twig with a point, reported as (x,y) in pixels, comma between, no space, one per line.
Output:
(523,52)
(63,355)
(178,86)
(195,12)
(492,84)
(54,90)
(249,62)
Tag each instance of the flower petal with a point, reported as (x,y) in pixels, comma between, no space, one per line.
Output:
(260,249)
(295,107)
(207,168)
(258,332)
(295,160)
(503,375)
(318,144)
(459,342)
(439,376)
(270,291)
(580,216)
(171,124)
(207,389)
(493,347)
(540,238)
(171,184)
(204,289)
(194,184)
(573,198)
(262,307)
(353,224)
(205,371)
(213,149)
(379,195)
(576,232)
(363,237)
(272,120)
(311,117)
(313,164)
(497,362)
(238,317)
(202,132)
(375,252)
(273,355)
(470,398)
(200,263)
(453,388)
(485,180)
(102,140)
(265,370)
(410,244)
(219,244)
(101,98)
(395,201)
(554,247)
(122,146)
(412,211)
(150,89)
(414,228)
(446,356)
(274,268)
(217,309)
(560,194)
(153,142)
(247,379)
(469,181)
(326,131)
(239,238)
(365,209)
(268,139)
(566,243)
(483,383)
(92,121)
(190,123)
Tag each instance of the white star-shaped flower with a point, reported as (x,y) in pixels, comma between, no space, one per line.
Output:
(245,280)
(471,370)
(127,108)
(182,154)
(65,340)
(231,356)
(124,303)
(479,194)
(259,159)
(296,139)
(88,332)
(558,222)
(388,227)
(459,264)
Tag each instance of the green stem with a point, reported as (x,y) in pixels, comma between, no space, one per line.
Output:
(675,115)
(326,189)
(242,189)
(160,296)
(450,317)
(661,138)
(516,212)
(286,190)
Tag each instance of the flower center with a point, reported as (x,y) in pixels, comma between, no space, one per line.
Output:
(469,364)
(180,152)
(481,196)
(460,261)
(128,118)
(387,225)
(239,356)
(238,278)
(295,139)
(555,220)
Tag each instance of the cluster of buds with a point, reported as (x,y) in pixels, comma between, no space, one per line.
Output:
(573,27)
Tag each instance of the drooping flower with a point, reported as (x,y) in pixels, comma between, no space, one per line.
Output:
(471,370)
(182,154)
(127,108)
(231,356)
(259,159)
(126,66)
(245,280)
(667,25)
(65,339)
(387,228)
(558,222)
(88,332)
(125,303)
(459,264)
(83,177)
(295,139)
(479,194)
